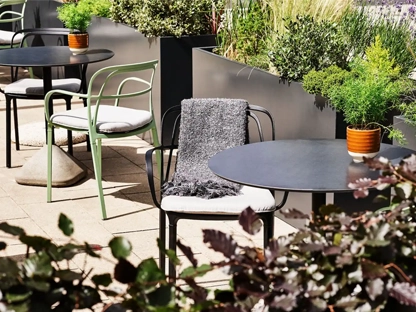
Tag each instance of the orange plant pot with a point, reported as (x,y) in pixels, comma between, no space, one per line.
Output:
(363,143)
(78,43)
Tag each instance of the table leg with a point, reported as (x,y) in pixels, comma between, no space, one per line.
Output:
(8,134)
(66,169)
(318,200)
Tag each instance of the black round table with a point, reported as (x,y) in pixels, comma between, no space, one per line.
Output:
(313,166)
(47,57)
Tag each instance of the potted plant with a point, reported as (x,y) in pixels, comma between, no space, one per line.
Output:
(76,16)
(371,88)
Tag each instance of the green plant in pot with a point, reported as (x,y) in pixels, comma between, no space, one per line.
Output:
(76,17)
(371,88)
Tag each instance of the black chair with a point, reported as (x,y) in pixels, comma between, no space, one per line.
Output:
(32,88)
(191,212)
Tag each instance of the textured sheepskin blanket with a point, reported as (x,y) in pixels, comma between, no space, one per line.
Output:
(207,127)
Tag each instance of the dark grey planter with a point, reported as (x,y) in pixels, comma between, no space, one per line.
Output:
(173,79)
(408,131)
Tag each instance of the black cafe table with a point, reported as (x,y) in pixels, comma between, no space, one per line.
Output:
(311,166)
(47,57)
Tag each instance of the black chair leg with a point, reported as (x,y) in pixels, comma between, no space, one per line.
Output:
(70,144)
(162,237)
(268,231)
(173,221)
(8,133)
(16,124)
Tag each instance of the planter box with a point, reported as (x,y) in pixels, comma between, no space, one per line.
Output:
(408,131)
(298,115)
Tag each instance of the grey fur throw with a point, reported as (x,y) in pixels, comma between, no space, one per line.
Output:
(207,127)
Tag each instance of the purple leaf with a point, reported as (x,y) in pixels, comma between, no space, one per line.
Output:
(250,221)
(331,250)
(372,270)
(293,213)
(379,163)
(360,193)
(407,168)
(344,259)
(404,292)
(310,247)
(220,242)
(187,251)
(361,183)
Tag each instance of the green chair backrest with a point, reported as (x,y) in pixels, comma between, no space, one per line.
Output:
(110,73)
(10,15)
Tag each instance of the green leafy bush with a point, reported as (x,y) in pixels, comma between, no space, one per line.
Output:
(360,28)
(364,95)
(319,82)
(168,17)
(283,10)
(75,16)
(372,90)
(246,40)
(308,45)
(100,8)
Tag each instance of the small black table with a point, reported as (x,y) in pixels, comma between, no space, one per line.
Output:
(312,166)
(47,57)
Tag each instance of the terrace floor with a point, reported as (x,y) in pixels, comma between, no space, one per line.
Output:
(129,204)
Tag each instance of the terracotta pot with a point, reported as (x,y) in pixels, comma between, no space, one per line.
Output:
(78,43)
(363,143)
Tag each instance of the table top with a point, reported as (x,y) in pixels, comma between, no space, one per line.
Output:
(49,56)
(314,166)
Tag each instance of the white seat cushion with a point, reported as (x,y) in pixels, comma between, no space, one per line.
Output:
(35,86)
(111,119)
(260,200)
(6,37)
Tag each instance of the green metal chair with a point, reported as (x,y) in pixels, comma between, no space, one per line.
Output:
(11,16)
(103,121)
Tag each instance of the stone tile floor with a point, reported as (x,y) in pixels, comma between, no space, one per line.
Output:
(129,204)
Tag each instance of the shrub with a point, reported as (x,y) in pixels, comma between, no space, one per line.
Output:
(360,28)
(243,36)
(167,17)
(289,10)
(306,45)
(319,82)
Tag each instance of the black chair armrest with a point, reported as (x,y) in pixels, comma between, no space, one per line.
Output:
(150,175)
(149,169)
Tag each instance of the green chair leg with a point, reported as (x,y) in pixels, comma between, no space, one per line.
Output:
(96,160)
(49,164)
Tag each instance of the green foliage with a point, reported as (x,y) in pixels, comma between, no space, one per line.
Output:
(168,17)
(360,28)
(373,86)
(371,91)
(100,8)
(308,45)
(75,16)
(319,82)
(327,10)
(246,40)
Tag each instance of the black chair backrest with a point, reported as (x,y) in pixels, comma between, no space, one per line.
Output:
(255,113)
